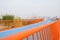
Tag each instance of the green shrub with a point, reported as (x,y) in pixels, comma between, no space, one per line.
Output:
(7,17)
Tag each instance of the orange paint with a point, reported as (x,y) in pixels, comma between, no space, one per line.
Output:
(53,31)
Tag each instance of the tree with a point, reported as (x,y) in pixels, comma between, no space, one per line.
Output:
(7,19)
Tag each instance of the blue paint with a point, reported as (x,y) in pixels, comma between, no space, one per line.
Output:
(30,37)
(16,30)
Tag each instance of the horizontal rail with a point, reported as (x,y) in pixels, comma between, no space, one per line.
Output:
(50,28)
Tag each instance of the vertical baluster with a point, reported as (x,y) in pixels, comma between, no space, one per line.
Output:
(41,35)
(48,33)
(28,38)
(33,37)
(45,33)
(49,36)
(37,35)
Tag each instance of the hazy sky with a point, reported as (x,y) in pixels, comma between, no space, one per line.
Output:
(29,8)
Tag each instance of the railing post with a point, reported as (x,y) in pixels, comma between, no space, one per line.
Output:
(33,37)
(28,38)
(55,30)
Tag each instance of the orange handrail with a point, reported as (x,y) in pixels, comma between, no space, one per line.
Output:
(48,31)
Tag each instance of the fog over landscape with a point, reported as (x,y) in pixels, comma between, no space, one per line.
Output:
(30,8)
